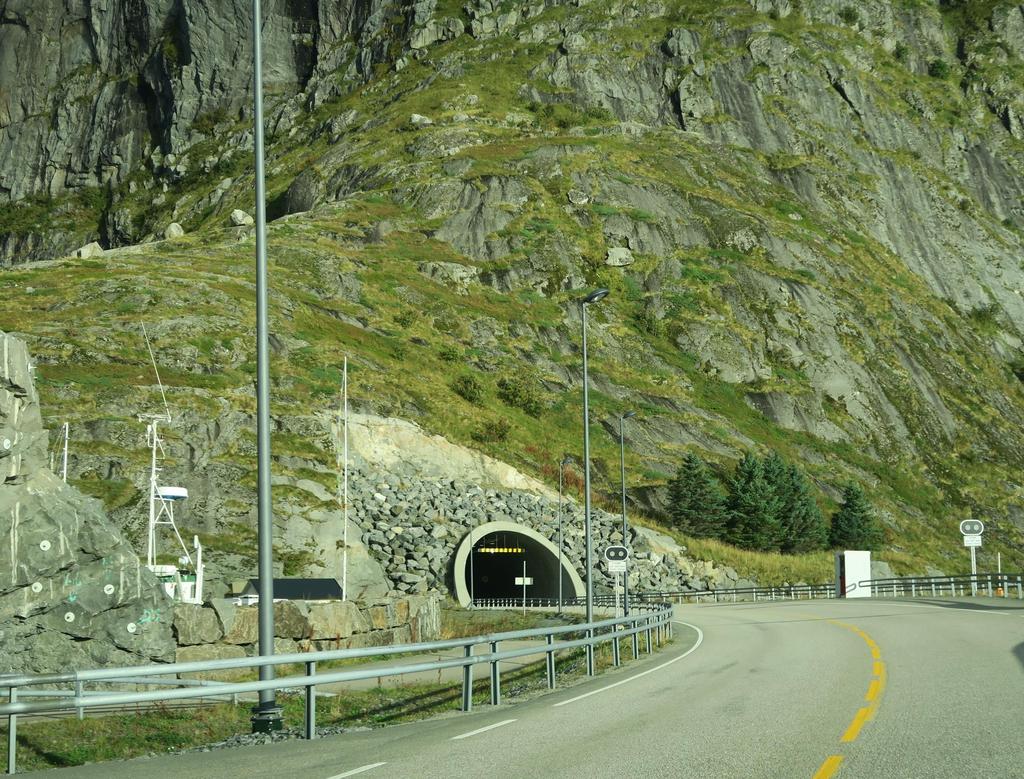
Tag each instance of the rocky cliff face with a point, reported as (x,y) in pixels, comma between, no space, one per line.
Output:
(809,216)
(72,591)
(92,91)
(99,95)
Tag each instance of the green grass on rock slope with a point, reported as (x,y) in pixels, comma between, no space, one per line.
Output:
(337,290)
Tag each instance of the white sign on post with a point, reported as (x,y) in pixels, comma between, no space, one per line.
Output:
(972,540)
(524,580)
(972,527)
(616,566)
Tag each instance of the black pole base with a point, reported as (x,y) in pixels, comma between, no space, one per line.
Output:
(266,718)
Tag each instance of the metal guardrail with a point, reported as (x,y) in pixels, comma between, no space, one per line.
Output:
(990,584)
(654,620)
(793,592)
(993,585)
(544,603)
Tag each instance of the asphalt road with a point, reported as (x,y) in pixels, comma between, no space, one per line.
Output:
(925,688)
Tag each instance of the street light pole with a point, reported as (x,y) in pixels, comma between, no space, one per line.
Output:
(561,469)
(593,297)
(625,527)
(267,715)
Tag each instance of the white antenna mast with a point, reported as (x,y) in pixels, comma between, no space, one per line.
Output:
(160,384)
(64,466)
(161,509)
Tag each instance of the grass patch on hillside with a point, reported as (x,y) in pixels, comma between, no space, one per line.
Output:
(769,569)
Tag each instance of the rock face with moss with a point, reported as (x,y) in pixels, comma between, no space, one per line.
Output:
(72,593)
(809,216)
(94,94)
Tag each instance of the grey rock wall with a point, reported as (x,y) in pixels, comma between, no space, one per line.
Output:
(73,593)
(413,526)
(219,629)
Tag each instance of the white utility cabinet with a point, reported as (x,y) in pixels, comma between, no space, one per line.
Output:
(852,568)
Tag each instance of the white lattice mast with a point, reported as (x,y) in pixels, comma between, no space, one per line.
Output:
(64,458)
(162,500)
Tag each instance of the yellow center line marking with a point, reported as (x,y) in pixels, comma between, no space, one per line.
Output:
(829,767)
(858,722)
(866,713)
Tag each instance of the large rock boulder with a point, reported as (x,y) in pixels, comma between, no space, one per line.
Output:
(194,624)
(72,590)
(335,620)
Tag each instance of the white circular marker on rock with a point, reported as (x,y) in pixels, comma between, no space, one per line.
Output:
(69,616)
(108,588)
(44,545)
(132,627)
(7,443)
(37,586)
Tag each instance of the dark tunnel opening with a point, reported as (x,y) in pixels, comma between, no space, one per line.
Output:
(497,559)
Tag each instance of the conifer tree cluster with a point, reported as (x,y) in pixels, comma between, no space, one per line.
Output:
(854,525)
(766,505)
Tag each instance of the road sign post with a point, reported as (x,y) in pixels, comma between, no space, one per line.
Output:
(616,558)
(972,530)
(616,593)
(525,581)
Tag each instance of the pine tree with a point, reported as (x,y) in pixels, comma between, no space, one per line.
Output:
(854,525)
(776,476)
(696,502)
(803,525)
(752,507)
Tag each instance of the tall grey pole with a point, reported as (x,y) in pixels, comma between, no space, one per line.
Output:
(589,553)
(625,527)
(561,465)
(593,297)
(267,715)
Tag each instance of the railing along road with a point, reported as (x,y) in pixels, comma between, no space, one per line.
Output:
(66,692)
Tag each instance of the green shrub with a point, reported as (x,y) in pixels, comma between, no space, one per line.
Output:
(648,322)
(449,353)
(900,52)
(405,318)
(492,431)
(520,392)
(849,15)
(938,68)
(206,123)
(468,387)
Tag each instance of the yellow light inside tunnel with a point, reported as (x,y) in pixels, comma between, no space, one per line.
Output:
(501,549)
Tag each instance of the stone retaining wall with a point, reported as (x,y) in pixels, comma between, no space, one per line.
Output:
(412,525)
(219,629)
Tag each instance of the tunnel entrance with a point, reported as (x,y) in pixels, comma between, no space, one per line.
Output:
(488,564)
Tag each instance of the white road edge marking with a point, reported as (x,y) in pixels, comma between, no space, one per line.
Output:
(700,639)
(949,608)
(355,771)
(482,730)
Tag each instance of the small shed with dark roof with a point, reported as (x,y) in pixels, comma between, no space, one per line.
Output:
(298,589)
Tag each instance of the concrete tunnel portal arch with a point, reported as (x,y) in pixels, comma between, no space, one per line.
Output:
(494,573)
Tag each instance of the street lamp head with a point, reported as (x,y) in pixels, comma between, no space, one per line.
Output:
(629,414)
(595,296)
